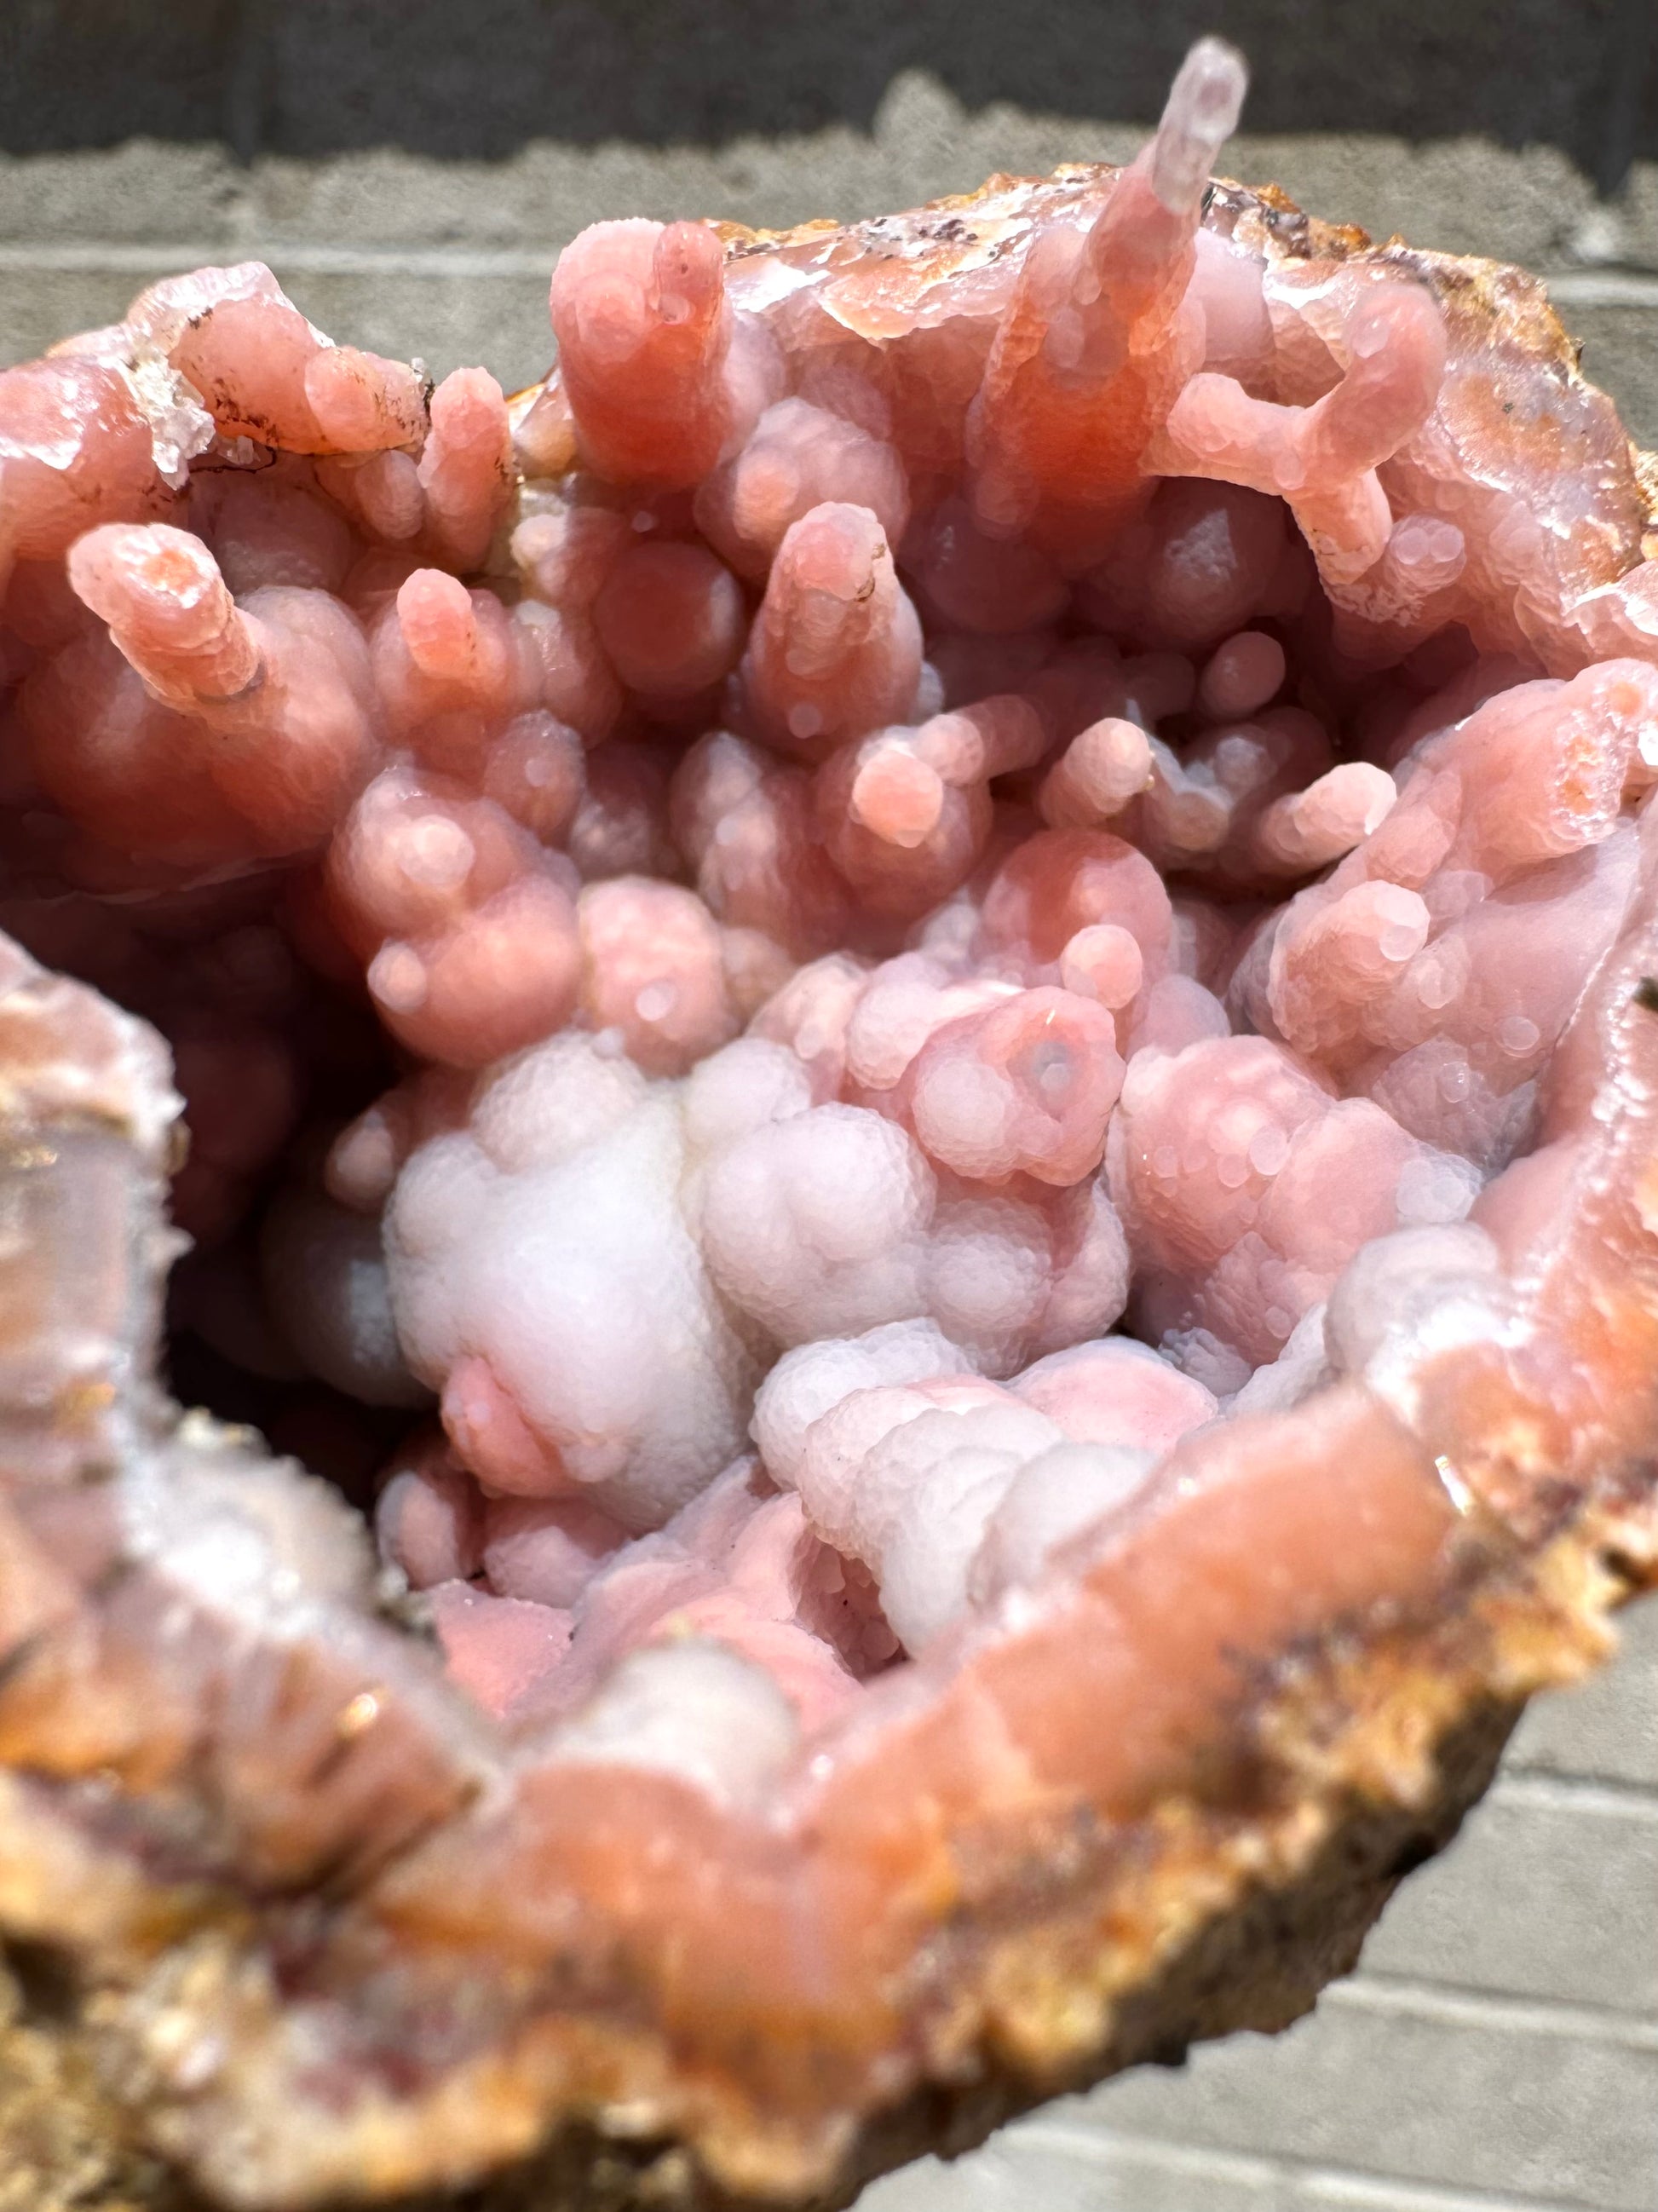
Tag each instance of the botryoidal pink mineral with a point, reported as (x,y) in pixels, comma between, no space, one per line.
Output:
(934,890)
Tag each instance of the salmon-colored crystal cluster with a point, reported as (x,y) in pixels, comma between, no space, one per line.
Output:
(918,1022)
(965,851)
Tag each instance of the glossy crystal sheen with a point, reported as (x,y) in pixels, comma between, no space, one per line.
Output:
(912,1018)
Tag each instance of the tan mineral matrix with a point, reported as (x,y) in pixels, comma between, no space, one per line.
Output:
(908,1030)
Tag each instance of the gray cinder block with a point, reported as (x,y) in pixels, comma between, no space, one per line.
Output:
(1038,2167)
(1475,2092)
(1551,1891)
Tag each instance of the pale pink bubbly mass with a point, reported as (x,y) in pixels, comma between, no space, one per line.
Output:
(949,901)
(894,864)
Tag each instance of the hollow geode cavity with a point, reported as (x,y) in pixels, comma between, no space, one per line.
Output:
(1071,762)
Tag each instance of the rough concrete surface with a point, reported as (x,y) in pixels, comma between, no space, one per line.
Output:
(409,168)
(448,258)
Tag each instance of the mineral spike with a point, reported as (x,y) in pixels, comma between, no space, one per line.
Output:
(911,1022)
(1322,459)
(661,377)
(835,648)
(1095,345)
(466,468)
(278,691)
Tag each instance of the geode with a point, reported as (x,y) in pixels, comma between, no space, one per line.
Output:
(915,1024)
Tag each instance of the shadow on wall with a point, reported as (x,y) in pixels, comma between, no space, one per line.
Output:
(319,77)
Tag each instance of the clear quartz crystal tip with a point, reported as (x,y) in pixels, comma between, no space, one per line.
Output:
(1202,110)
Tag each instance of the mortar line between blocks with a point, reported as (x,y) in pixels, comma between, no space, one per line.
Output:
(1359,2187)
(1195,2162)
(1538,1789)
(132,257)
(1403,1997)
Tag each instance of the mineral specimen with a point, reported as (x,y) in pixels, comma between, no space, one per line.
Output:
(913,1018)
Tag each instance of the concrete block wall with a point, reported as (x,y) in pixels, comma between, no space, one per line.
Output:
(409,169)
(449,260)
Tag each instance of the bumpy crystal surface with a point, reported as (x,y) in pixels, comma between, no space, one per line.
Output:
(932,955)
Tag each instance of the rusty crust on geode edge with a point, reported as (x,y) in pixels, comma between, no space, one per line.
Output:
(166,1922)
